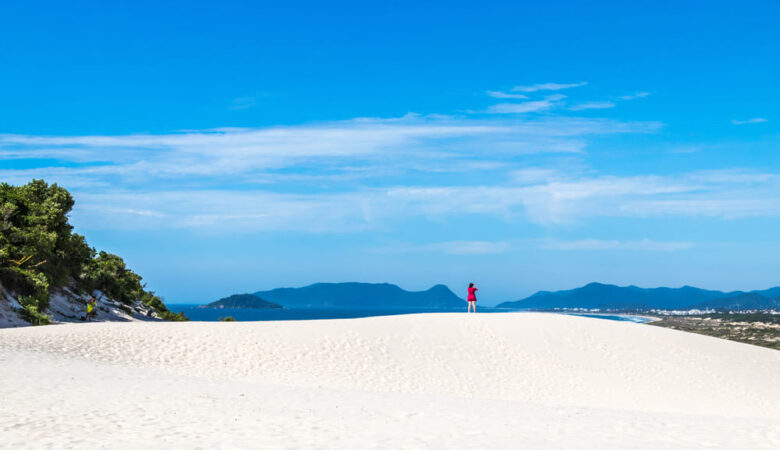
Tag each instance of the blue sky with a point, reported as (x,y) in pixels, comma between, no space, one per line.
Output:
(225,147)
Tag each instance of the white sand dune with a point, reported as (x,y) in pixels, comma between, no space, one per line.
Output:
(418,381)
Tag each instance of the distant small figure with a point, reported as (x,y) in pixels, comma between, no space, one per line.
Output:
(91,308)
(472,298)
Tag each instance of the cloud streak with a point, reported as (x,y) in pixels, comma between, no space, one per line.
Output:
(549,200)
(499,94)
(592,105)
(634,96)
(368,174)
(749,121)
(548,87)
(375,173)
(525,107)
(611,245)
(451,247)
(336,148)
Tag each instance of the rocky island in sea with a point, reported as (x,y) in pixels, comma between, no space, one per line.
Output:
(243,301)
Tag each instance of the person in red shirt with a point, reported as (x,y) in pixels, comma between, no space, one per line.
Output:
(472,298)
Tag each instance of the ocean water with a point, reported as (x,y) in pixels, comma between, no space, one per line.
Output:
(619,317)
(254,315)
(248,314)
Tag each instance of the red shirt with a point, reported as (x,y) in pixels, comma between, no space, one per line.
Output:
(472,294)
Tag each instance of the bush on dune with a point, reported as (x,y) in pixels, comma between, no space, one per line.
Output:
(30,313)
(40,252)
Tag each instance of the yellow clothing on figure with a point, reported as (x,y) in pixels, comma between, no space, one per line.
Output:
(91,308)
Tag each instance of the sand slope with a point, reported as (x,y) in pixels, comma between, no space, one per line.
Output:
(68,306)
(416,381)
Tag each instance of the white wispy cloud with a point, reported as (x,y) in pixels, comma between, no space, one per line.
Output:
(450,247)
(342,149)
(536,175)
(369,173)
(543,196)
(500,94)
(749,121)
(360,174)
(504,246)
(517,108)
(634,96)
(601,245)
(592,105)
(236,210)
(547,87)
(687,148)
(550,201)
(576,198)
(475,247)
(232,151)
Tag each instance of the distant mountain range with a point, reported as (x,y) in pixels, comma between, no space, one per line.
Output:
(362,295)
(607,296)
(243,301)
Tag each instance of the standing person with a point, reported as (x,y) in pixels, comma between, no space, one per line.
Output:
(472,298)
(91,305)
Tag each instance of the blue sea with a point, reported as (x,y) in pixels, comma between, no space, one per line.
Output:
(253,315)
(619,317)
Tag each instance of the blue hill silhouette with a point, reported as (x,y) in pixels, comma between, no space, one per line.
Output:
(362,295)
(607,296)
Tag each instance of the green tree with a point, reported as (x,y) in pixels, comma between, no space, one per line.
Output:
(39,252)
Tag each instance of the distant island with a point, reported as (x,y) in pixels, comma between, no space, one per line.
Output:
(607,297)
(243,301)
(362,295)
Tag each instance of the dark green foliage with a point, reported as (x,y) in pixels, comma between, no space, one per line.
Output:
(227,319)
(38,249)
(108,273)
(30,313)
(773,319)
(39,252)
(751,328)
(172,316)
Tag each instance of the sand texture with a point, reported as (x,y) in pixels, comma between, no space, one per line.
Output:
(541,381)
